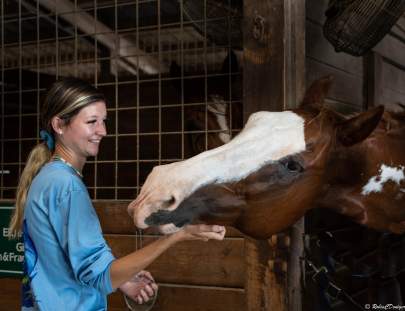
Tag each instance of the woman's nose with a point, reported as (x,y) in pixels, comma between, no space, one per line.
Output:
(101,129)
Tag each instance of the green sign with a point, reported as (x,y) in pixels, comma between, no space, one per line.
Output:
(11,251)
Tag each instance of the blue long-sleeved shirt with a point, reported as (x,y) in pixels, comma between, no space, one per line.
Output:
(67,261)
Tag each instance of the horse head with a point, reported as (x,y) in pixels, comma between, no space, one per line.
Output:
(208,125)
(263,180)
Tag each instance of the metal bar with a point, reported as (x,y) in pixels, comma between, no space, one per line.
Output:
(56,41)
(137,106)
(19,89)
(85,23)
(205,75)
(159,85)
(38,74)
(2,101)
(182,79)
(116,102)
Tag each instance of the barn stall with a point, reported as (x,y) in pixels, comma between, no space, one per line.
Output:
(162,64)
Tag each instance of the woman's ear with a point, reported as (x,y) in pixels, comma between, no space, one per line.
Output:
(57,125)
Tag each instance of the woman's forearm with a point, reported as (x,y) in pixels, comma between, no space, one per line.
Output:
(124,268)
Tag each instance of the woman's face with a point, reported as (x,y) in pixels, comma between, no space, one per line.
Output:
(83,134)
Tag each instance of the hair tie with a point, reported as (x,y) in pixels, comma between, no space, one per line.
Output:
(48,139)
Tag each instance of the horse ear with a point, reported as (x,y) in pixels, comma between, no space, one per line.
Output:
(358,128)
(315,95)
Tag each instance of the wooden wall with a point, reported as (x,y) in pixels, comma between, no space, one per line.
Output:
(377,78)
(388,59)
(321,59)
(193,275)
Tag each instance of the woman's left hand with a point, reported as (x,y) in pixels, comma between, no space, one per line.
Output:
(141,288)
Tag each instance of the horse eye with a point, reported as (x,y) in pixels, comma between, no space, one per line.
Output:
(293,166)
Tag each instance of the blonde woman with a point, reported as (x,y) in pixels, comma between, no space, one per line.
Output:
(68,265)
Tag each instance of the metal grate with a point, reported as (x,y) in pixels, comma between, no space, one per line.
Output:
(125,48)
(355,27)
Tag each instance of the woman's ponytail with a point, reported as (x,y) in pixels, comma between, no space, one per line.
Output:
(36,159)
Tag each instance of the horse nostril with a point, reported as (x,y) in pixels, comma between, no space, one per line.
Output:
(169,202)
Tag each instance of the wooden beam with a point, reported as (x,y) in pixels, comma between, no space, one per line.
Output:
(185,298)
(373,63)
(263,51)
(114,219)
(274,79)
(214,263)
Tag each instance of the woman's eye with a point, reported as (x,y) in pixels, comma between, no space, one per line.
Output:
(91,121)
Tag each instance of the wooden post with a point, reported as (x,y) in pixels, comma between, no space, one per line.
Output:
(274,79)
(373,69)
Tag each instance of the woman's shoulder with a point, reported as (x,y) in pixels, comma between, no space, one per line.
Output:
(56,175)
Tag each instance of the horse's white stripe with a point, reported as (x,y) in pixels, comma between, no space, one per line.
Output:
(385,174)
(267,137)
(218,107)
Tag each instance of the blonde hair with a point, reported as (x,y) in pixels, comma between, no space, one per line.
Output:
(64,99)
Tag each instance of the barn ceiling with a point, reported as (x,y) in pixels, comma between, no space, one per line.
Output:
(134,37)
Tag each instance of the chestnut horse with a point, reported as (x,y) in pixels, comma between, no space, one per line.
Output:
(281,165)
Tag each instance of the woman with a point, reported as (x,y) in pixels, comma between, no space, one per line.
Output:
(68,265)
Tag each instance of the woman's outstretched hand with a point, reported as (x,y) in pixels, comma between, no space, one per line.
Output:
(141,288)
(202,232)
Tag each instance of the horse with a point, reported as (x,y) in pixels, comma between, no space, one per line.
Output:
(281,165)
(210,125)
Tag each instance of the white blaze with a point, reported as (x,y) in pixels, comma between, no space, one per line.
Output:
(267,137)
(218,107)
(386,173)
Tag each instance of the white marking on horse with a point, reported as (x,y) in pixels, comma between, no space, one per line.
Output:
(267,137)
(218,107)
(385,174)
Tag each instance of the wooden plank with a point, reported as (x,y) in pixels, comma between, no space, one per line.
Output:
(274,66)
(315,10)
(264,85)
(263,69)
(294,52)
(391,48)
(114,219)
(390,99)
(318,48)
(373,79)
(342,108)
(346,88)
(270,277)
(214,263)
(10,293)
(295,76)
(393,77)
(398,29)
(186,298)
(170,297)
(385,83)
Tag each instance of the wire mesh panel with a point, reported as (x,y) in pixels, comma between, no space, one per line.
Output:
(355,27)
(172,81)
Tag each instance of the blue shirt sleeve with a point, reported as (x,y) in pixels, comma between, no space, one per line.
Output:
(79,233)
